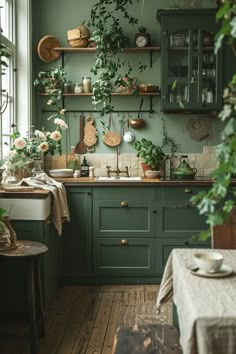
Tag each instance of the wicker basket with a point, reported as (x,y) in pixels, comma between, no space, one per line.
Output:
(77,39)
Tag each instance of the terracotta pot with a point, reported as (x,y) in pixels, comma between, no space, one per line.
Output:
(160,167)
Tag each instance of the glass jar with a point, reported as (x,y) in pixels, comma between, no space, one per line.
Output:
(87,85)
(68,87)
(78,88)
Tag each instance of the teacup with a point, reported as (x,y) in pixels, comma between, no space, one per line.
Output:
(208,262)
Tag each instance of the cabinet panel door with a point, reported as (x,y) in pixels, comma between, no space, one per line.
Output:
(165,246)
(179,219)
(127,193)
(112,219)
(183,193)
(135,257)
(77,235)
(191,71)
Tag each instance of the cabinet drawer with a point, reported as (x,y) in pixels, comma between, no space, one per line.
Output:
(165,246)
(136,257)
(123,193)
(180,193)
(111,219)
(178,219)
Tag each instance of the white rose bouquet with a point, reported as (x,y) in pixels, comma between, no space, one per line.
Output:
(41,142)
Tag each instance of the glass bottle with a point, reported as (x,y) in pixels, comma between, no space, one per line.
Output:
(73,162)
(84,168)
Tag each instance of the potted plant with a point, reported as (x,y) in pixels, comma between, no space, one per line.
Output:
(152,155)
(51,80)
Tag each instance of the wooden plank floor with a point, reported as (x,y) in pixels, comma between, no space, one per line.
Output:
(83,319)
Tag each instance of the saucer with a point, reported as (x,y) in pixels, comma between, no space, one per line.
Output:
(224,271)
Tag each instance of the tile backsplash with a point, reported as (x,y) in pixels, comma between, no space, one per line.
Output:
(205,163)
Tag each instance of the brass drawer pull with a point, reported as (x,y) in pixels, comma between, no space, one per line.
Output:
(124,204)
(188,190)
(124,242)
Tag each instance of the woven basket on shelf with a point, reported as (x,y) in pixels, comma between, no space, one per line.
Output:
(79,36)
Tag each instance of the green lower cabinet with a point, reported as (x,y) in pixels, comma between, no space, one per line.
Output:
(166,244)
(178,219)
(77,236)
(44,231)
(131,256)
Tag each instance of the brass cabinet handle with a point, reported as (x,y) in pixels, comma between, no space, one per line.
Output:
(188,190)
(124,204)
(124,242)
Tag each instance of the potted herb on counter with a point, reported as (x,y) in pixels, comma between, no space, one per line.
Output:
(152,155)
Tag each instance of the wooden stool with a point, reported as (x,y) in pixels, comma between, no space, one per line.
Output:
(149,339)
(29,252)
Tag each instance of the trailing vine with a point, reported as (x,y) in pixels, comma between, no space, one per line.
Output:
(217,203)
(110,39)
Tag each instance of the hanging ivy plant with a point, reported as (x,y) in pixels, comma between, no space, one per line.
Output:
(217,203)
(110,39)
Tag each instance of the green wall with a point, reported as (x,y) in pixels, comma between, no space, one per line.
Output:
(56,17)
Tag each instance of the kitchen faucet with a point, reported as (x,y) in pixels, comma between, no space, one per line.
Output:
(117,171)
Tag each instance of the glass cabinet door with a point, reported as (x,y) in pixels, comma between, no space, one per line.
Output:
(191,69)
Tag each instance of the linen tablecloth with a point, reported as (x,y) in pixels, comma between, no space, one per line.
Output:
(206,307)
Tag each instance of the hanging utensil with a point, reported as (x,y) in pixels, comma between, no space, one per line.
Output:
(81,147)
(128,136)
(138,123)
(90,134)
(111,138)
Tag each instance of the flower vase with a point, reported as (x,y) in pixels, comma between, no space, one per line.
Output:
(37,169)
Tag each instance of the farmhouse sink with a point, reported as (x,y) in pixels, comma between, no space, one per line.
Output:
(27,209)
(118,179)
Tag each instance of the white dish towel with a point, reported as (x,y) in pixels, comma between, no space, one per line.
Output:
(60,210)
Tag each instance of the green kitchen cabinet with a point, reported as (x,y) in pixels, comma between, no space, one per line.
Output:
(166,244)
(178,222)
(191,72)
(127,257)
(124,231)
(176,215)
(77,235)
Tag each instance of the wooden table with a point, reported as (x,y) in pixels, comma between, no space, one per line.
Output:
(205,305)
(30,252)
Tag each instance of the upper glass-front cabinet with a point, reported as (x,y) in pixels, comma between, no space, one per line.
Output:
(191,73)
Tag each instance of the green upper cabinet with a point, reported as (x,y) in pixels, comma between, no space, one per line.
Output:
(191,73)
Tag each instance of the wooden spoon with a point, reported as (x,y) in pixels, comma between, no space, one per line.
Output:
(81,147)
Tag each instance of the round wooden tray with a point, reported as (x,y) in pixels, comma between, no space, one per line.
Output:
(111,139)
(46,47)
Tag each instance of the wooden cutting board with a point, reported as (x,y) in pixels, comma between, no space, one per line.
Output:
(90,133)
(46,47)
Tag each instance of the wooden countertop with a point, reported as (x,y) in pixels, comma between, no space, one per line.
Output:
(35,194)
(91,182)
(145,182)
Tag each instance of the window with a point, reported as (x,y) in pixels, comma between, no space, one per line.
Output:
(7,78)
